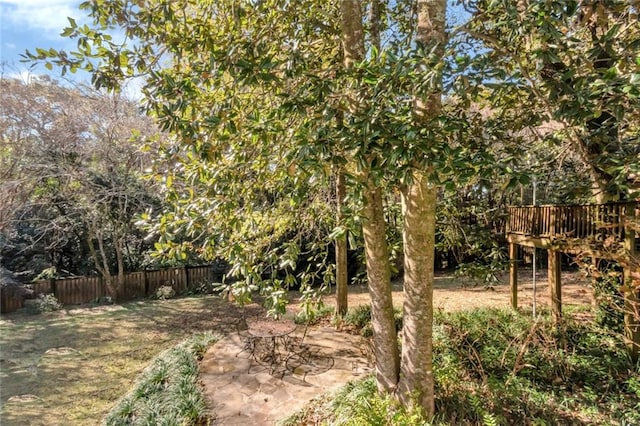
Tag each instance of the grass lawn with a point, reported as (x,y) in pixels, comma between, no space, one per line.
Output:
(70,367)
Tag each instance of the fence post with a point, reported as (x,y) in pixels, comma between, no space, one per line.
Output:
(103,286)
(513,274)
(185,279)
(53,287)
(555,286)
(146,283)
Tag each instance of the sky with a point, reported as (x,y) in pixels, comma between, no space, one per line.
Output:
(27,24)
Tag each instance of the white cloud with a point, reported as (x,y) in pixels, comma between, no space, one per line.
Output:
(24,76)
(133,88)
(49,17)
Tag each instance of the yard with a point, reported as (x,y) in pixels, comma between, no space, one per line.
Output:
(70,367)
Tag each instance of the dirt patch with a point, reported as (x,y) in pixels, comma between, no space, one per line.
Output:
(453,293)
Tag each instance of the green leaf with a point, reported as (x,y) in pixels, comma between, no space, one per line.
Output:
(337,233)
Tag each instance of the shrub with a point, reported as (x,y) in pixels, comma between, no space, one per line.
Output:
(313,316)
(205,287)
(43,303)
(360,318)
(356,403)
(494,366)
(610,302)
(497,365)
(165,292)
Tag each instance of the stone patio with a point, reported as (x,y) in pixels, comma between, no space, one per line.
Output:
(241,391)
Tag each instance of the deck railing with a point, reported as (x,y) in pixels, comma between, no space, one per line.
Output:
(599,221)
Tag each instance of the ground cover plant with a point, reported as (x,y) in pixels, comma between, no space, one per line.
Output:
(70,367)
(495,366)
(168,391)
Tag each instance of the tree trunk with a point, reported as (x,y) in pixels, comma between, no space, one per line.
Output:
(385,343)
(342,279)
(101,263)
(119,246)
(374,23)
(373,227)
(416,385)
(352,32)
(416,374)
(599,189)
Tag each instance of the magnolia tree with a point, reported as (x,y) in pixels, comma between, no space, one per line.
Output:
(270,105)
(575,66)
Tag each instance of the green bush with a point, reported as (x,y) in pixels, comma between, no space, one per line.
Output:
(43,303)
(165,292)
(609,300)
(313,316)
(496,364)
(360,318)
(167,392)
(357,403)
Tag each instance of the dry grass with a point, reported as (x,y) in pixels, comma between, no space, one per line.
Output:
(70,367)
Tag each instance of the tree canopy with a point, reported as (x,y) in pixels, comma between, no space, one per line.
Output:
(71,179)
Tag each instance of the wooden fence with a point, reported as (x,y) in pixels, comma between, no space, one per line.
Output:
(79,290)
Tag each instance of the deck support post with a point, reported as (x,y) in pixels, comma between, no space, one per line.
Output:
(555,286)
(632,317)
(513,274)
(632,290)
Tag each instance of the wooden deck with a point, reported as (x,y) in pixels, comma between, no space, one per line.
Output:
(599,228)
(605,231)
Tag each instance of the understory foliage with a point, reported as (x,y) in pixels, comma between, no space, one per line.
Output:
(499,367)
(360,319)
(43,303)
(610,301)
(167,392)
(165,292)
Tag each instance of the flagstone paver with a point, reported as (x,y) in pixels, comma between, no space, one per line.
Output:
(241,391)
